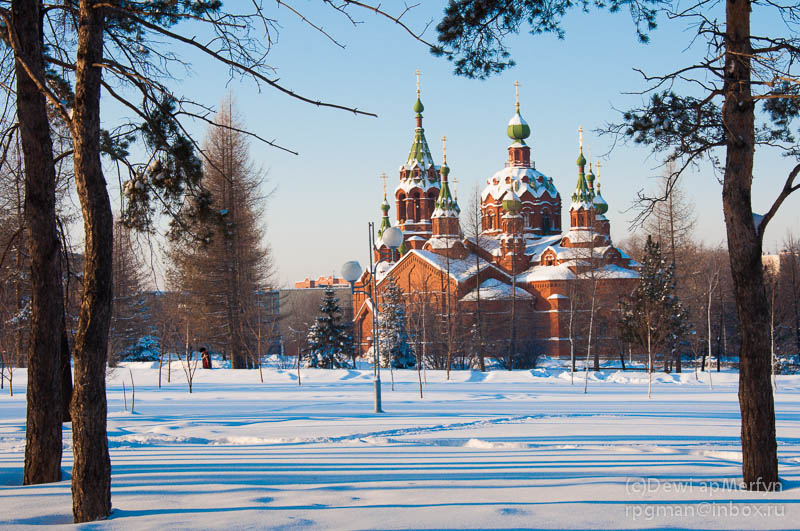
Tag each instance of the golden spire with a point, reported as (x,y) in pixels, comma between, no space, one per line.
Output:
(516,91)
(597,165)
(418,83)
(455,188)
(580,137)
(383,178)
(444,150)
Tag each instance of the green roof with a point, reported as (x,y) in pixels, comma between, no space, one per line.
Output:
(385,224)
(582,193)
(581,159)
(420,150)
(445,200)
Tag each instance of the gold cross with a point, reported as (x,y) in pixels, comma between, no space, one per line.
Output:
(580,136)
(417,83)
(455,187)
(516,91)
(597,165)
(444,149)
(383,178)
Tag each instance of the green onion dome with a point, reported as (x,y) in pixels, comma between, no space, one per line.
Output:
(600,204)
(518,129)
(418,106)
(512,203)
(581,159)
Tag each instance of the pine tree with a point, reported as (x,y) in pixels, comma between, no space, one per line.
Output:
(329,343)
(653,316)
(392,333)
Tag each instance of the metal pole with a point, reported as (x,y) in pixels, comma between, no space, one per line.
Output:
(375,339)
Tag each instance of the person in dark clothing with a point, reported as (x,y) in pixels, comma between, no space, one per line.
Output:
(206,357)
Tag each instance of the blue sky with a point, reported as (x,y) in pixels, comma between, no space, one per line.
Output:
(317,218)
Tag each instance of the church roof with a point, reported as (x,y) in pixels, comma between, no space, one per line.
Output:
(538,183)
(460,269)
(445,206)
(493,289)
(420,154)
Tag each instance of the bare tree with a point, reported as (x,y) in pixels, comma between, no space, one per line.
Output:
(473,229)
(128,311)
(225,274)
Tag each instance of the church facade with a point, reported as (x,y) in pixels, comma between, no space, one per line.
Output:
(520,274)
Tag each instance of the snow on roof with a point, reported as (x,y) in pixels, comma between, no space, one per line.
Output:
(557,296)
(540,273)
(615,271)
(534,247)
(577,205)
(538,183)
(493,289)
(576,235)
(443,241)
(440,212)
(406,185)
(381,268)
(574,253)
(460,269)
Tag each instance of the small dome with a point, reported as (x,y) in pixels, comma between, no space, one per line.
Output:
(600,204)
(444,170)
(581,159)
(518,129)
(418,106)
(590,176)
(511,202)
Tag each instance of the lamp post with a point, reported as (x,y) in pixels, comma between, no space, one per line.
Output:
(351,271)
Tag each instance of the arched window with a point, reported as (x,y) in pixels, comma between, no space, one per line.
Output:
(417,207)
(401,207)
(432,195)
(545,221)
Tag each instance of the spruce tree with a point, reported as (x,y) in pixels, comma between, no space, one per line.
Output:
(652,316)
(392,333)
(329,343)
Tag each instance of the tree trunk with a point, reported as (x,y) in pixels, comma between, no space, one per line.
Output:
(759,447)
(43,423)
(91,476)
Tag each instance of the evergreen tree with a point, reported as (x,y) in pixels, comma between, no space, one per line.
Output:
(652,315)
(392,333)
(329,343)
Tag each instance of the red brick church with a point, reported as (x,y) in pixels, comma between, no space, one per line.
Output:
(521,256)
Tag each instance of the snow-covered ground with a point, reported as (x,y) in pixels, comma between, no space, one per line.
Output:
(495,450)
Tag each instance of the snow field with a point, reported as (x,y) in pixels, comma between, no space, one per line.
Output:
(522,449)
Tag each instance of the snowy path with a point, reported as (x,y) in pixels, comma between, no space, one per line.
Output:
(495,450)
